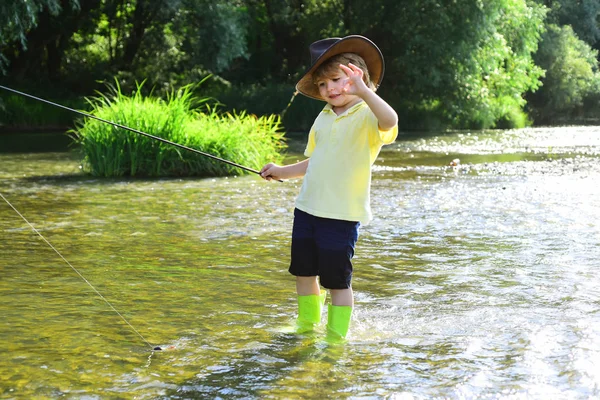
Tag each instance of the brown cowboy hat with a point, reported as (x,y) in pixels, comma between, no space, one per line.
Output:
(324,49)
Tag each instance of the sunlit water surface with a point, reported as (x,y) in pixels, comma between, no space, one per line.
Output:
(475,281)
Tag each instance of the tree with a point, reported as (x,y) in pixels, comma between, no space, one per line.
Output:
(571,74)
(18,17)
(463,63)
(449,63)
(211,33)
(581,15)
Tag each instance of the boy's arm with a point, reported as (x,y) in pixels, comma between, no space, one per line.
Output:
(277,172)
(386,116)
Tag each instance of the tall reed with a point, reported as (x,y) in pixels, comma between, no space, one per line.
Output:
(109,151)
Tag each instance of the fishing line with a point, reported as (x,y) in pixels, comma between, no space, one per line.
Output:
(134,130)
(80,275)
(289,104)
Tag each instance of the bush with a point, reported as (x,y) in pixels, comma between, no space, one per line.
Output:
(110,151)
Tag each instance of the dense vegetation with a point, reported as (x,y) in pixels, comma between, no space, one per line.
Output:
(449,64)
(110,151)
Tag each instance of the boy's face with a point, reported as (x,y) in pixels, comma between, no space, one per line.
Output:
(331,89)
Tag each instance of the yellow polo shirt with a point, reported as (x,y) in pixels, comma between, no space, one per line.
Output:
(342,150)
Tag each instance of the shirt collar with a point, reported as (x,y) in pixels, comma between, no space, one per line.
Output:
(351,110)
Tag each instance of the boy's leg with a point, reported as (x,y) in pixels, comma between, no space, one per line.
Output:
(336,241)
(310,303)
(307,285)
(323,247)
(342,297)
(338,321)
(303,265)
(339,313)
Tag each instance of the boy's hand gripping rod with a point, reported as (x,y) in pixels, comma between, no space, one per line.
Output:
(135,131)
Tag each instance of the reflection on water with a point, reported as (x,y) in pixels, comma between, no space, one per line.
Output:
(474,281)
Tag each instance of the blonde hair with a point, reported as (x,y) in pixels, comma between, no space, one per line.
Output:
(332,65)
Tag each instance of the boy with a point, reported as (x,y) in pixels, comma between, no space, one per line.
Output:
(343,144)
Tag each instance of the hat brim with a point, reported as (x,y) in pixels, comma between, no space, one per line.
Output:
(350,44)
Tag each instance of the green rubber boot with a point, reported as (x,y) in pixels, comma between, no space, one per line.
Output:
(309,312)
(338,321)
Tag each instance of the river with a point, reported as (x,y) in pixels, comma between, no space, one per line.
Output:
(473,281)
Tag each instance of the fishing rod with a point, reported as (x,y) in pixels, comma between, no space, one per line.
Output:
(134,130)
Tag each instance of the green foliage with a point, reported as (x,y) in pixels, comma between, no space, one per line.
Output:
(581,15)
(110,151)
(165,39)
(211,33)
(19,112)
(571,74)
(17,17)
(449,63)
(297,112)
(469,63)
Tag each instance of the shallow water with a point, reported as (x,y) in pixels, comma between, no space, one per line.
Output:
(476,281)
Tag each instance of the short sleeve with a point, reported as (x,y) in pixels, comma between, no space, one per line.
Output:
(376,135)
(310,145)
(388,136)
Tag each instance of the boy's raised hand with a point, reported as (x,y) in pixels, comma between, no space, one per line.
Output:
(355,85)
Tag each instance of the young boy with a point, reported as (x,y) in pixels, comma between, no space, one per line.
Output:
(334,200)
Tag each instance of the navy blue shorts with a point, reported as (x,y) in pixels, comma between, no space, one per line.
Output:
(323,247)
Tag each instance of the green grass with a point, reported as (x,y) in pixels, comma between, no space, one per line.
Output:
(110,151)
